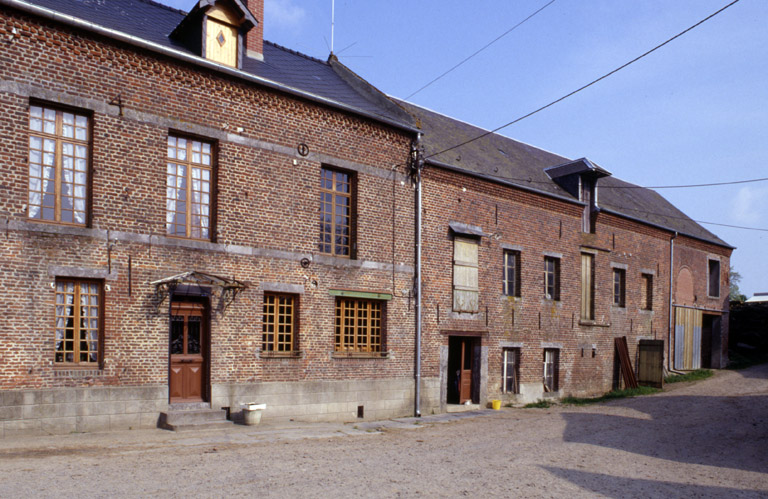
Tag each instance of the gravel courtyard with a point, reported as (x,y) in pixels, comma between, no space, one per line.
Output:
(704,439)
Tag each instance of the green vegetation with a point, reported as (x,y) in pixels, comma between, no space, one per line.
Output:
(616,394)
(539,404)
(691,376)
(741,360)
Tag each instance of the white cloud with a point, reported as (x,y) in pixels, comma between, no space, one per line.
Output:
(283,14)
(749,204)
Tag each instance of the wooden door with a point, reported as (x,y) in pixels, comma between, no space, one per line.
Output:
(465,377)
(187,345)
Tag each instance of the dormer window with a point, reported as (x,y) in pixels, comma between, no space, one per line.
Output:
(218,30)
(579,178)
(221,36)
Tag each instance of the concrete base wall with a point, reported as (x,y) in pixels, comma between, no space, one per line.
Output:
(70,410)
(529,392)
(330,400)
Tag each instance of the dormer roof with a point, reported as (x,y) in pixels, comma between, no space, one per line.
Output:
(578,167)
(193,19)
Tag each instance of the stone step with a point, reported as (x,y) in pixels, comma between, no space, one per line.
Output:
(192,415)
(462,407)
(208,425)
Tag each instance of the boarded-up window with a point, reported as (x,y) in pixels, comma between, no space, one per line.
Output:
(587,286)
(511,367)
(714,278)
(511,273)
(551,278)
(619,287)
(551,370)
(646,292)
(465,284)
(221,37)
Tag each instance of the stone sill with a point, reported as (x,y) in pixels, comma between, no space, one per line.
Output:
(282,355)
(360,355)
(583,322)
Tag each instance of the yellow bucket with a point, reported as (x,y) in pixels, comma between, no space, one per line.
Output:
(496,404)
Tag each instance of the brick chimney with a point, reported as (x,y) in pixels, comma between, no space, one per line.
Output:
(254,41)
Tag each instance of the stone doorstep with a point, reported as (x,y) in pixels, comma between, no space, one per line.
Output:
(195,416)
(452,408)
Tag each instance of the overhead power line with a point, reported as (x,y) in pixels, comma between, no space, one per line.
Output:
(713,184)
(622,208)
(485,134)
(510,30)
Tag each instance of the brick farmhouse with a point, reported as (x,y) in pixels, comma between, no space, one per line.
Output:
(194,219)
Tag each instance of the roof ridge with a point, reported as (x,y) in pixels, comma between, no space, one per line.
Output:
(167,7)
(490,132)
(294,52)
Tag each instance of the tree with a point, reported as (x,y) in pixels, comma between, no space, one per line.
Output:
(735,293)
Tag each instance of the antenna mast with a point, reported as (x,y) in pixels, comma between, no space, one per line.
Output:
(333,18)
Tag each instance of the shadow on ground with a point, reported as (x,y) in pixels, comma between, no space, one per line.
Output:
(613,486)
(721,431)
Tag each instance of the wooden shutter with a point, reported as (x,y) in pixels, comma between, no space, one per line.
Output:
(587,287)
(465,278)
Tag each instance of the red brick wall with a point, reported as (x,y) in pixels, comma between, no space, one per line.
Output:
(268,200)
(540,224)
(255,38)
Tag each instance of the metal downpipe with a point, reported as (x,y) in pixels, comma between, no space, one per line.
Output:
(671,277)
(417,367)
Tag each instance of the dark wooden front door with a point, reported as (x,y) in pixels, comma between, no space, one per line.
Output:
(465,377)
(187,336)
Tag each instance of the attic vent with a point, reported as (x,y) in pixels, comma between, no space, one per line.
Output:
(502,152)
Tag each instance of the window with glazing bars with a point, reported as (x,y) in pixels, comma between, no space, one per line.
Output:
(188,188)
(619,287)
(511,273)
(335,213)
(551,278)
(78,322)
(279,323)
(511,363)
(58,165)
(359,325)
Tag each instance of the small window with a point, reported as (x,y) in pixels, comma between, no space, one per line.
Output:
(619,287)
(58,165)
(511,369)
(646,292)
(279,323)
(551,370)
(188,188)
(466,290)
(551,278)
(336,217)
(587,286)
(359,326)
(511,273)
(78,322)
(714,279)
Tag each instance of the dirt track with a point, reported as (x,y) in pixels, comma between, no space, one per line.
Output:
(708,439)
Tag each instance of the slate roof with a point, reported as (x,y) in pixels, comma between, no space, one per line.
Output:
(153,22)
(523,165)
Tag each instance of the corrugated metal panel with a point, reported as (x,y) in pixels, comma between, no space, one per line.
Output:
(687,338)
(696,356)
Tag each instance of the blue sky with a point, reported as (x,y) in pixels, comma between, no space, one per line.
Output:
(695,111)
